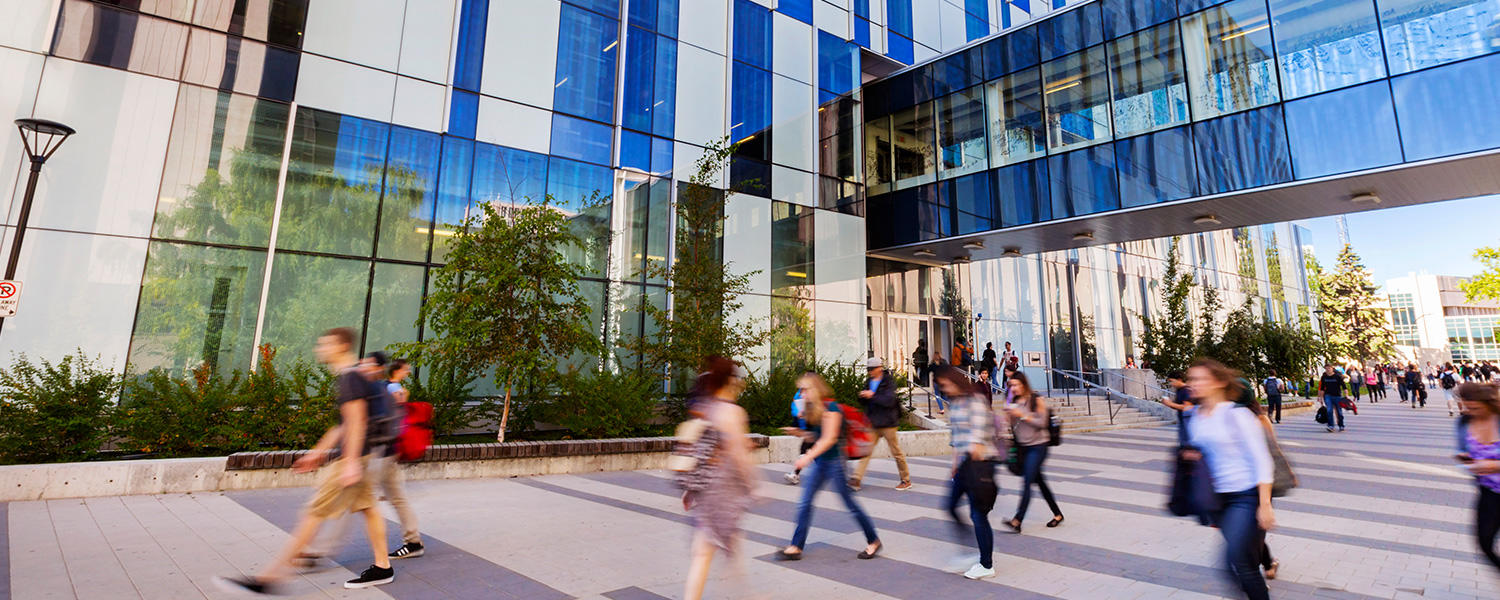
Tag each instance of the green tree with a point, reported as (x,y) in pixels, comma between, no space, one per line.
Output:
(1167,341)
(1208,323)
(1293,351)
(953,304)
(1485,285)
(1239,344)
(1356,330)
(508,300)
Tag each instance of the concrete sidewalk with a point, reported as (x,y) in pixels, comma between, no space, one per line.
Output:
(1382,513)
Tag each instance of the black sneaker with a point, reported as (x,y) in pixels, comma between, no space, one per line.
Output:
(309,563)
(372,577)
(247,586)
(411,550)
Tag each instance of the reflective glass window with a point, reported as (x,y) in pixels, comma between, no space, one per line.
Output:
(1425,33)
(837,63)
(638,90)
(801,10)
(223,162)
(1156,168)
(973,203)
(934,213)
(232,63)
(861,32)
(975,27)
(581,140)
(655,15)
(750,111)
(792,342)
(1077,92)
(395,303)
(957,72)
(176,10)
(1325,44)
(1242,151)
(104,35)
(455,174)
(750,176)
(913,141)
(899,47)
(463,113)
(1324,140)
(1150,85)
(1082,182)
(1449,109)
(664,109)
(1230,63)
(1022,192)
(878,155)
(791,248)
(635,151)
(504,176)
(1017,128)
(1011,52)
(309,294)
(584,192)
(609,8)
(275,21)
(411,180)
(586,49)
(468,62)
(961,136)
(1071,31)
(898,16)
(752,34)
(198,306)
(1128,16)
(333,184)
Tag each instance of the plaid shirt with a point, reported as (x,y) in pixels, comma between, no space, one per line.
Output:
(972,423)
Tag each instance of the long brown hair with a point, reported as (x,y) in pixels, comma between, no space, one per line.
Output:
(1030,394)
(1483,393)
(812,412)
(1222,374)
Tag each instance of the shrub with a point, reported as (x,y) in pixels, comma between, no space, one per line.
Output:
(767,398)
(55,412)
(600,404)
(166,415)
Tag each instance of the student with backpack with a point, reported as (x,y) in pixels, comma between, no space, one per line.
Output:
(1031,420)
(1274,387)
(975,451)
(824,463)
(884,412)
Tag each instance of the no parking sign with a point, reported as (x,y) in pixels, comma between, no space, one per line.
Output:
(10,297)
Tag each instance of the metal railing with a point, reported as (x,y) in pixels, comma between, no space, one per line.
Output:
(1090,381)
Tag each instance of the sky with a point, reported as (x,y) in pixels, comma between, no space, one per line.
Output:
(1439,237)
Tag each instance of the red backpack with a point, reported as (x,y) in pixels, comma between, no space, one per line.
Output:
(859,436)
(416,432)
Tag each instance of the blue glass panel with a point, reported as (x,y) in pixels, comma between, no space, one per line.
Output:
(1082,182)
(1012,52)
(899,48)
(664,110)
(1324,140)
(957,72)
(899,223)
(978,8)
(1021,191)
(638,89)
(1187,7)
(1424,33)
(453,192)
(333,179)
(411,177)
(934,215)
(862,32)
(801,10)
(1156,168)
(581,140)
(642,13)
(1128,16)
(635,151)
(661,156)
(463,114)
(586,49)
(507,175)
(750,176)
(469,63)
(825,96)
(1071,31)
(1325,45)
(975,27)
(862,8)
(898,16)
(836,63)
(1242,151)
(750,110)
(572,184)
(666,18)
(752,34)
(1450,109)
(610,8)
(972,201)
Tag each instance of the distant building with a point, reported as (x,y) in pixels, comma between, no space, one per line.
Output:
(1430,312)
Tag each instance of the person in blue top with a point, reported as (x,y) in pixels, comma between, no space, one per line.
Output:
(826,463)
(795,477)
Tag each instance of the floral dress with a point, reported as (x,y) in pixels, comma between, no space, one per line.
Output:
(717,509)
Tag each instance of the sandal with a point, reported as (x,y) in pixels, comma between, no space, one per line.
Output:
(1014,524)
(867,555)
(1271,570)
(783,555)
(1057,520)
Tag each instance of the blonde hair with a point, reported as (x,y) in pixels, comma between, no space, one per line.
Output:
(812,412)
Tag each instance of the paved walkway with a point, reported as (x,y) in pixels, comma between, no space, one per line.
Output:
(1382,514)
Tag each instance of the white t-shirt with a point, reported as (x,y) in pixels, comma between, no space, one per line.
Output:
(1234,445)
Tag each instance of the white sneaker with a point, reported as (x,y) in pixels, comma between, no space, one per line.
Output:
(792,479)
(961,563)
(979,572)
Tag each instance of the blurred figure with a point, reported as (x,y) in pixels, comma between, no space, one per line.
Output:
(1030,418)
(1414,386)
(974,455)
(1232,442)
(884,413)
(1274,386)
(1331,387)
(1479,434)
(825,462)
(723,452)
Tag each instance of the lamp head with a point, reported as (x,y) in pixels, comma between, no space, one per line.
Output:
(42,137)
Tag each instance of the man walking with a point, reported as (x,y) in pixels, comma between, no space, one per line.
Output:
(343,485)
(884,413)
(1331,386)
(1274,386)
(1008,358)
(988,361)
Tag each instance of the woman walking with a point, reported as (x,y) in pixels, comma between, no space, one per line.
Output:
(824,463)
(1030,417)
(974,455)
(1230,438)
(724,449)
(1480,435)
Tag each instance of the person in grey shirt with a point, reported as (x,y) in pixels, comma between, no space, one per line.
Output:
(1031,416)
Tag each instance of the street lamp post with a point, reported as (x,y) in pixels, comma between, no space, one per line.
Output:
(41,138)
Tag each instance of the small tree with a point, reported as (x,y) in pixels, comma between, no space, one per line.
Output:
(1167,341)
(1239,346)
(1208,323)
(1486,285)
(508,299)
(1356,329)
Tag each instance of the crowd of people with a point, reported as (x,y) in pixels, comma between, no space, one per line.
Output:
(1229,464)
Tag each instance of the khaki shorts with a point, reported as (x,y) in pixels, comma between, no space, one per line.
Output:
(332,499)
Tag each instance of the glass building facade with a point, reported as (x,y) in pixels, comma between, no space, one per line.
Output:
(255,171)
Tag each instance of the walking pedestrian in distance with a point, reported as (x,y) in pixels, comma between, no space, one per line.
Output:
(1030,418)
(1274,386)
(1331,387)
(1234,446)
(343,486)
(1414,386)
(1479,435)
(724,449)
(989,362)
(1356,382)
(1448,380)
(1376,380)
(1008,358)
(1398,379)
(1004,383)
(825,463)
(1181,399)
(974,454)
(884,412)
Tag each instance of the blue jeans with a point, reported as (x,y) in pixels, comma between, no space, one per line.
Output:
(1332,404)
(1032,458)
(979,513)
(1244,541)
(820,472)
